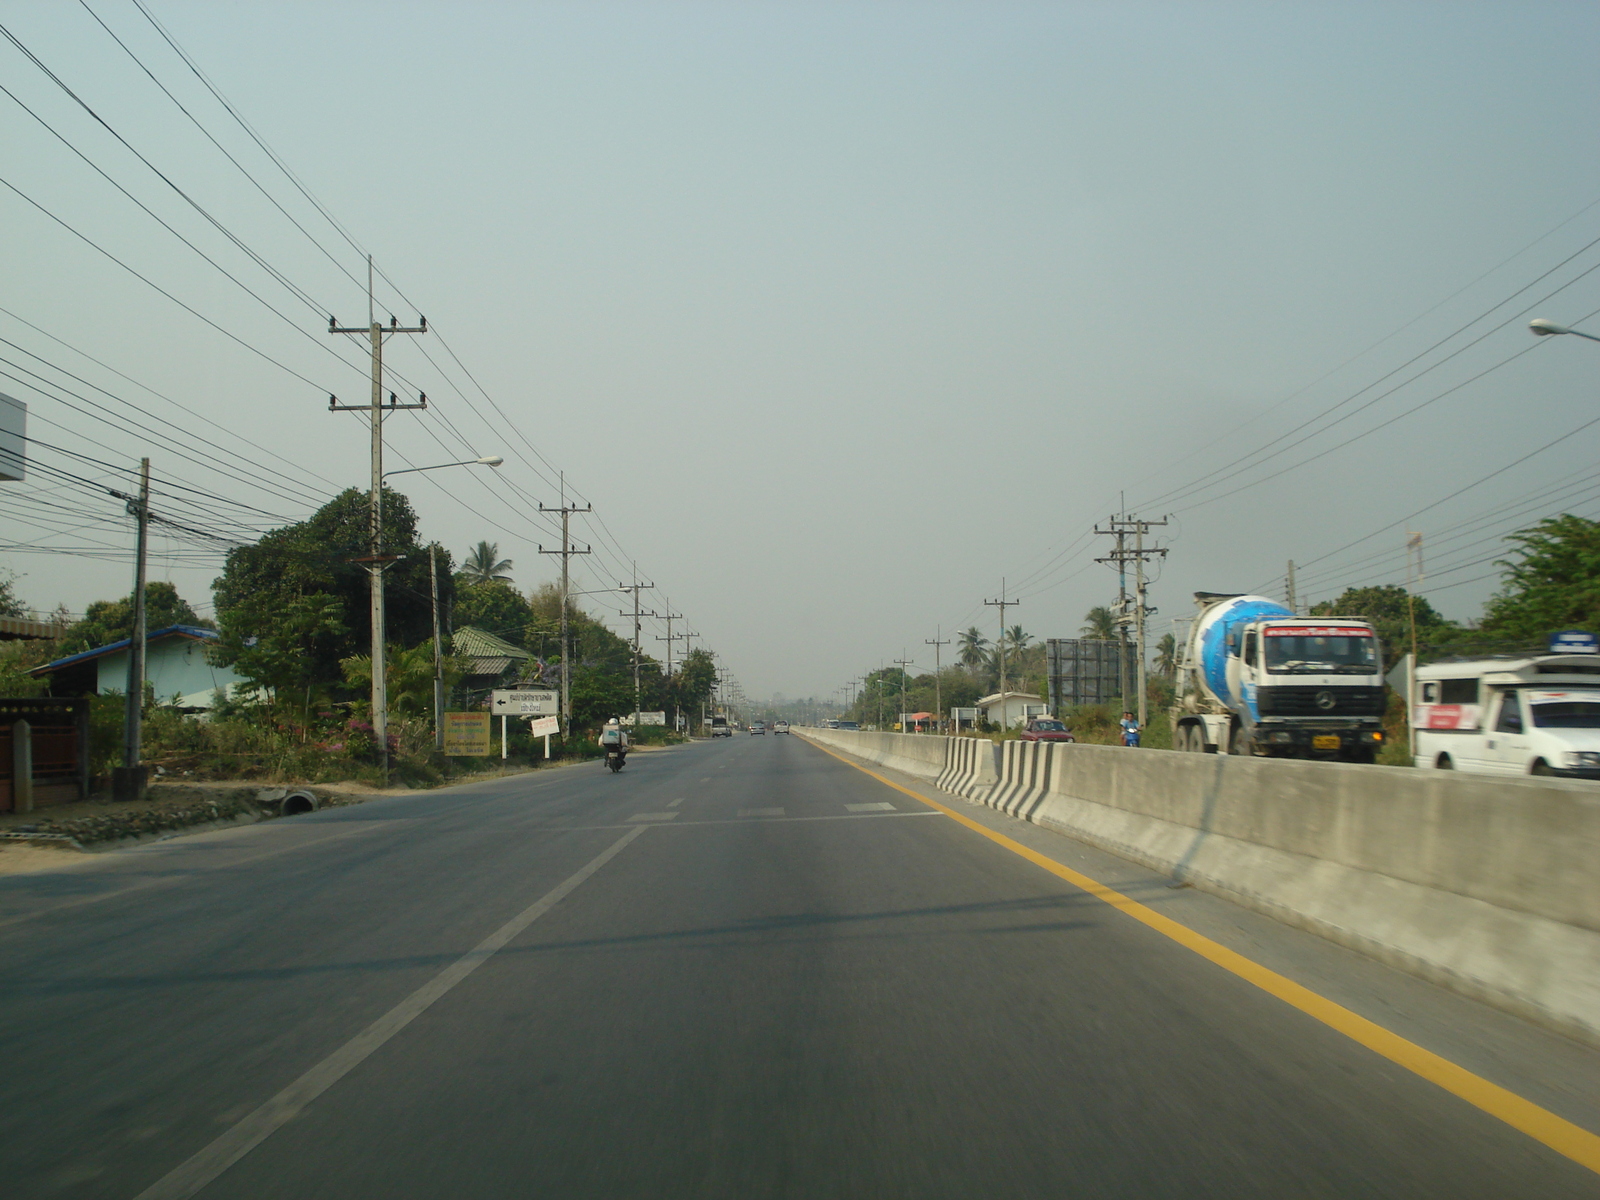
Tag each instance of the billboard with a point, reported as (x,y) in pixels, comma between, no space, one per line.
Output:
(648,718)
(466,733)
(13,439)
(1087,671)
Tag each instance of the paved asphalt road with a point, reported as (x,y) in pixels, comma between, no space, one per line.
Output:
(740,969)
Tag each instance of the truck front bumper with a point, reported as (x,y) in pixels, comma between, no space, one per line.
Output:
(1283,738)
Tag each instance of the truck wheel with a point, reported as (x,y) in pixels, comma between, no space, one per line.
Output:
(1444,763)
(1239,742)
(1540,767)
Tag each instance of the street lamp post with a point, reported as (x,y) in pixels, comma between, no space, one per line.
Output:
(380,682)
(1545,328)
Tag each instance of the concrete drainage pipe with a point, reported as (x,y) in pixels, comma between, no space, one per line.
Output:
(298,802)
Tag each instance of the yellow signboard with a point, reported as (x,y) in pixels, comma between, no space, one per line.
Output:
(466,733)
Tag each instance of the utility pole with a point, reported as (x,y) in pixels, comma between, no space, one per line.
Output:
(1294,607)
(938,698)
(635,587)
(566,553)
(1002,604)
(132,781)
(905,677)
(376,562)
(1413,554)
(1121,528)
(669,617)
(438,651)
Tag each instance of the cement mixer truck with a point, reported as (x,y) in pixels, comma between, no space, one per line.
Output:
(1256,679)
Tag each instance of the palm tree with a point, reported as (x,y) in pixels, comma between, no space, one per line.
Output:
(1016,640)
(1167,656)
(974,647)
(484,564)
(1099,623)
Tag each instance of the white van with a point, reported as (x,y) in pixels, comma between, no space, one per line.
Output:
(1511,715)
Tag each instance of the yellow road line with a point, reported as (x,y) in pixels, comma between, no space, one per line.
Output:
(1562,1136)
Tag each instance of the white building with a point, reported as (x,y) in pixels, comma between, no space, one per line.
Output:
(1008,709)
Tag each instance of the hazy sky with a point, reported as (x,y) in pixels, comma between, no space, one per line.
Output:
(839,314)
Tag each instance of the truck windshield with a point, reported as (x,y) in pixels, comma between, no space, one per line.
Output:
(1567,714)
(1321,655)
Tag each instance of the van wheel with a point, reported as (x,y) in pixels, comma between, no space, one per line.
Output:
(1444,763)
(1540,767)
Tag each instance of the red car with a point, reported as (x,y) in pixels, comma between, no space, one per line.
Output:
(1046,729)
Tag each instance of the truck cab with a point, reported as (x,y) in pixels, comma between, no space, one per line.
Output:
(1509,715)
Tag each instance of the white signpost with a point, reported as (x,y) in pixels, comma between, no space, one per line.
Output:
(525,704)
(544,727)
(650,718)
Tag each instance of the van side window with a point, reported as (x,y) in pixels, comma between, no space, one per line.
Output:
(1430,692)
(1458,691)
(1510,714)
(1250,648)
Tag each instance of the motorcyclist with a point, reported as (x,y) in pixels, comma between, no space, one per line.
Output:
(1130,730)
(613,737)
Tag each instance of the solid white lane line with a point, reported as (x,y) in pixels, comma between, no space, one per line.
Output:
(761,812)
(190,1176)
(667,816)
(879,807)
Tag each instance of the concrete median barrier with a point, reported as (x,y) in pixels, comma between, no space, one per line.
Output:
(1487,886)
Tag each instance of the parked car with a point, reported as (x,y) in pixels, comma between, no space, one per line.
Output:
(758,727)
(1046,729)
(781,727)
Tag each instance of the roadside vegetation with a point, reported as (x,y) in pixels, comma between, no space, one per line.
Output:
(292,621)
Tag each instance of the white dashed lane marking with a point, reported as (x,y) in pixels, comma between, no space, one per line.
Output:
(676,802)
(879,807)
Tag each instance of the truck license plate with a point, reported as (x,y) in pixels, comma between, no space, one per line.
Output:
(1325,741)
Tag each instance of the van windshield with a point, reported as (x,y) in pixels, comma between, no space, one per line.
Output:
(1567,714)
(1288,655)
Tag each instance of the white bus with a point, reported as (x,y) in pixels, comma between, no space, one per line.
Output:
(1510,715)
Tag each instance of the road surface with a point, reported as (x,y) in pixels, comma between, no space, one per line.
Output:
(740,969)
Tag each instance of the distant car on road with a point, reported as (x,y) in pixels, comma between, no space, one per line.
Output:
(1046,729)
(758,727)
(847,725)
(781,727)
(830,723)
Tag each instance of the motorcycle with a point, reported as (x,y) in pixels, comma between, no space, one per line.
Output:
(615,757)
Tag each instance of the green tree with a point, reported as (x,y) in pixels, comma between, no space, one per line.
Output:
(10,604)
(483,564)
(319,556)
(283,657)
(1016,640)
(1389,609)
(973,647)
(1166,662)
(494,607)
(108,621)
(408,677)
(1099,623)
(1553,584)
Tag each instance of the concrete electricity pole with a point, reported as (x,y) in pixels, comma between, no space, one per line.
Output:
(376,562)
(905,677)
(566,510)
(938,697)
(635,587)
(1121,528)
(669,617)
(1002,604)
(438,650)
(1289,590)
(130,784)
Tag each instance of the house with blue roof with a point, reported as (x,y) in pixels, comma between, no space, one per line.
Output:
(175,665)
